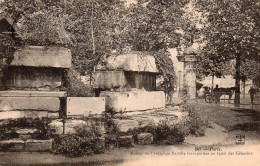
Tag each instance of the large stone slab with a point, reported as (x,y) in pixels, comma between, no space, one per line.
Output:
(44,79)
(125,125)
(24,114)
(108,79)
(85,106)
(134,100)
(69,126)
(12,145)
(39,56)
(29,103)
(38,145)
(20,93)
(11,115)
(130,62)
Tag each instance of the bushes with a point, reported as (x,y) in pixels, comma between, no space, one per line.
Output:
(74,86)
(194,123)
(167,134)
(8,128)
(87,140)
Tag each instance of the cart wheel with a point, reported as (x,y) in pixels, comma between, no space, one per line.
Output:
(208,99)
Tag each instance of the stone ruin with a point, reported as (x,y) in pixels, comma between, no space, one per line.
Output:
(128,82)
(34,83)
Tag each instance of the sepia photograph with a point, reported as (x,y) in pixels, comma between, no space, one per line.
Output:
(129,82)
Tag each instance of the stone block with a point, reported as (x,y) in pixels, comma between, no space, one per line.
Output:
(134,100)
(130,62)
(40,56)
(125,141)
(32,145)
(26,131)
(144,138)
(53,115)
(29,103)
(125,125)
(69,126)
(21,93)
(108,79)
(22,114)
(11,115)
(28,78)
(12,145)
(35,114)
(85,105)
(56,126)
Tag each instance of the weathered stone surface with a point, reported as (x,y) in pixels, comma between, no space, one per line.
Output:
(35,114)
(134,100)
(29,103)
(39,56)
(11,115)
(57,126)
(12,145)
(38,145)
(20,93)
(42,79)
(130,62)
(144,138)
(108,79)
(53,115)
(22,114)
(125,141)
(85,105)
(124,125)
(26,131)
(69,126)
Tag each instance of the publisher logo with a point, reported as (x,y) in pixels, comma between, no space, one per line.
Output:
(240,139)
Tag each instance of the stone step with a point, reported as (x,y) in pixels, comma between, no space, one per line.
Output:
(30,145)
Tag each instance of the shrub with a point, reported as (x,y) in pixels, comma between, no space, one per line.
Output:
(164,133)
(8,128)
(87,140)
(195,124)
(75,87)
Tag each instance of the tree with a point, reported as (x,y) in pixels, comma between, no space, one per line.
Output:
(231,32)
(92,29)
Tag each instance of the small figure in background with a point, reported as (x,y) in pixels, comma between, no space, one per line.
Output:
(216,93)
(252,93)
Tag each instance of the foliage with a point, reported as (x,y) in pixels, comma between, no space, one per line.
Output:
(9,127)
(75,87)
(230,32)
(194,124)
(167,134)
(92,29)
(86,141)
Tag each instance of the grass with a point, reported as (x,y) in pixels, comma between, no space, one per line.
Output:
(235,120)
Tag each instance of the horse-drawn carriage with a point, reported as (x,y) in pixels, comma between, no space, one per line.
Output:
(218,92)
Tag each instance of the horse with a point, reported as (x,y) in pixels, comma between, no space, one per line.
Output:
(226,91)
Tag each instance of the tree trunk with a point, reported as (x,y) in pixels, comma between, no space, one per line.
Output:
(237,92)
(212,84)
(244,87)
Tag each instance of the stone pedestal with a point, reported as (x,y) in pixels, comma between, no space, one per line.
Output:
(34,83)
(134,100)
(189,80)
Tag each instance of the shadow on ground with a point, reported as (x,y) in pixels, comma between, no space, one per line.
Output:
(252,120)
